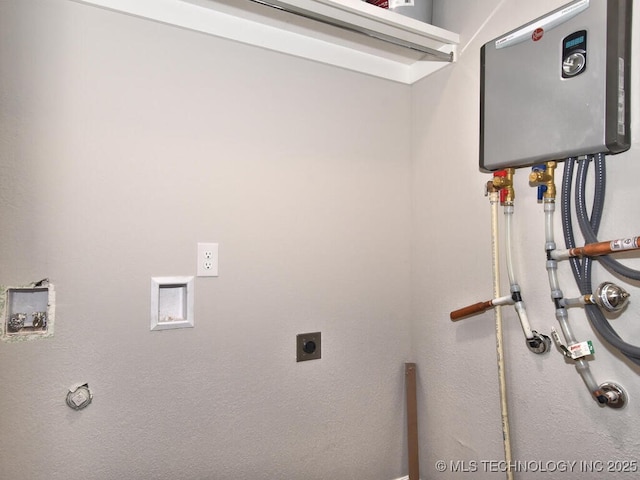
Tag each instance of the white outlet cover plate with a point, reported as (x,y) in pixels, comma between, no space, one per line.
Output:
(207,260)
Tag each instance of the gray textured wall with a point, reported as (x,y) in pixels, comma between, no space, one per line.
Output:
(125,142)
(336,199)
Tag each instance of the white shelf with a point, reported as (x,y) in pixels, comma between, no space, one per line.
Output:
(392,46)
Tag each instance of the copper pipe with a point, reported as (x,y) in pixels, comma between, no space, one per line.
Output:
(605,248)
(471,310)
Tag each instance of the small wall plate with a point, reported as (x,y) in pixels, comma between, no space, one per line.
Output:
(308,346)
(79,396)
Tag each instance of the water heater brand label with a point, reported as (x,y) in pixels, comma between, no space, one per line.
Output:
(537,34)
(379,3)
(544,24)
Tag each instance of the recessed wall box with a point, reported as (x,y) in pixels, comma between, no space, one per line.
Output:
(27,312)
(308,346)
(171,302)
(557,87)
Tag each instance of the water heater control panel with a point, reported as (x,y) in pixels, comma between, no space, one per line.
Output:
(574,54)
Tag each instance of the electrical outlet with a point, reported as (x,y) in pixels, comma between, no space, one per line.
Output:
(207,260)
(308,346)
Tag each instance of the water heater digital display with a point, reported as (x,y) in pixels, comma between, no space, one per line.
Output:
(574,41)
(557,87)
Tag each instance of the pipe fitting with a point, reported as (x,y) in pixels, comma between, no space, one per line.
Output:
(611,394)
(490,188)
(16,322)
(503,181)
(541,188)
(545,177)
(556,294)
(539,344)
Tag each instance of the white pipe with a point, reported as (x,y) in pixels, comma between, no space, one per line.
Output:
(563,320)
(561,254)
(505,300)
(515,288)
(549,209)
(575,302)
(582,366)
(550,246)
(524,319)
(508,215)
(497,302)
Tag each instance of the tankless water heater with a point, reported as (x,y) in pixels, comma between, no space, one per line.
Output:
(557,87)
